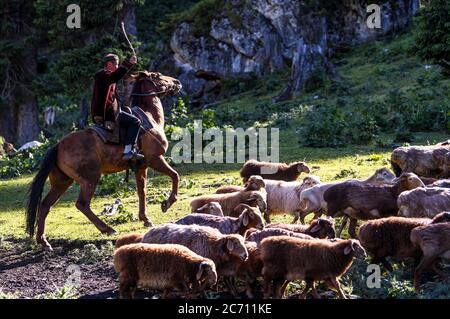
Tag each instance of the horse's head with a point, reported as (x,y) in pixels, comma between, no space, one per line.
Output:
(155,82)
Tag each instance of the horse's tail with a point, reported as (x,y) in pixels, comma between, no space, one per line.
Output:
(396,168)
(37,187)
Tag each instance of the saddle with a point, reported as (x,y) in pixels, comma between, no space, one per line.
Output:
(111,133)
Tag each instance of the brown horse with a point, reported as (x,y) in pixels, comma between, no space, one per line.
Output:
(83,157)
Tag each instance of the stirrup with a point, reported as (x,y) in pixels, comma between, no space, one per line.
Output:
(132,155)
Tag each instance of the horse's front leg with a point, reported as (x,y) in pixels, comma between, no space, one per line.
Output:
(141,182)
(159,164)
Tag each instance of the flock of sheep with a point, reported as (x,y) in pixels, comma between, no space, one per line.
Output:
(229,234)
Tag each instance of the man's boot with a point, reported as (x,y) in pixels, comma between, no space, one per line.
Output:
(130,153)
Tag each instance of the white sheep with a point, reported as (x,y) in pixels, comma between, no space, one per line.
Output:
(284,197)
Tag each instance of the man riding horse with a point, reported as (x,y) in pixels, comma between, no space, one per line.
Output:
(104,106)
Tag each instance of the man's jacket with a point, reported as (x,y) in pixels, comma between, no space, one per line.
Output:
(104,101)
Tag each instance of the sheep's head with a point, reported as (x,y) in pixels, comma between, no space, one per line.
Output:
(211,208)
(354,247)
(251,218)
(384,176)
(302,167)
(9,149)
(409,181)
(322,228)
(255,183)
(248,234)
(207,273)
(399,155)
(235,246)
(399,159)
(310,181)
(256,199)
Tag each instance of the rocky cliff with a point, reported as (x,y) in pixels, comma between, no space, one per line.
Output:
(260,36)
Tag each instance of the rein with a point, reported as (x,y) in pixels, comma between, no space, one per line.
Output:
(148,93)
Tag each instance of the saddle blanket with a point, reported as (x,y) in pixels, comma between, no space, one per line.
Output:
(116,136)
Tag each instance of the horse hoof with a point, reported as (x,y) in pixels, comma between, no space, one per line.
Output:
(165,206)
(109,231)
(148,224)
(46,247)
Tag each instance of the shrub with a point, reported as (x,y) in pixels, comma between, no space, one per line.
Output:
(65,292)
(330,126)
(24,162)
(346,173)
(121,216)
(114,185)
(433,31)
(90,254)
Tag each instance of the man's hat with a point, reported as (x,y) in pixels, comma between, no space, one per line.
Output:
(110,57)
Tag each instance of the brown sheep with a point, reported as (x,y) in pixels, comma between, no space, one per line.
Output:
(249,270)
(258,236)
(424,202)
(254,183)
(205,241)
(434,241)
(229,201)
(249,218)
(311,200)
(318,228)
(389,237)
(422,160)
(127,239)
(288,258)
(212,208)
(365,201)
(162,267)
(276,171)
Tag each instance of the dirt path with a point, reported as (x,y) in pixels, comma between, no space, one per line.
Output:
(31,273)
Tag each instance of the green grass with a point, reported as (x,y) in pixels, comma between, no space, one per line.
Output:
(66,222)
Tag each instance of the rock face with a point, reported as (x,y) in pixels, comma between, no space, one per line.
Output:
(259,36)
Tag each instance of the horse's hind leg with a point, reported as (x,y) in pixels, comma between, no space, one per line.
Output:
(159,164)
(141,182)
(87,190)
(59,184)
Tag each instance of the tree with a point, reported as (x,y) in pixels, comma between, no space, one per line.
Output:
(79,51)
(18,68)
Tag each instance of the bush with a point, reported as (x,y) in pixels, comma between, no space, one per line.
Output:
(122,216)
(24,162)
(346,173)
(114,185)
(90,254)
(65,292)
(433,31)
(329,125)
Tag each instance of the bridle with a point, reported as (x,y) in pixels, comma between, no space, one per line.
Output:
(148,93)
